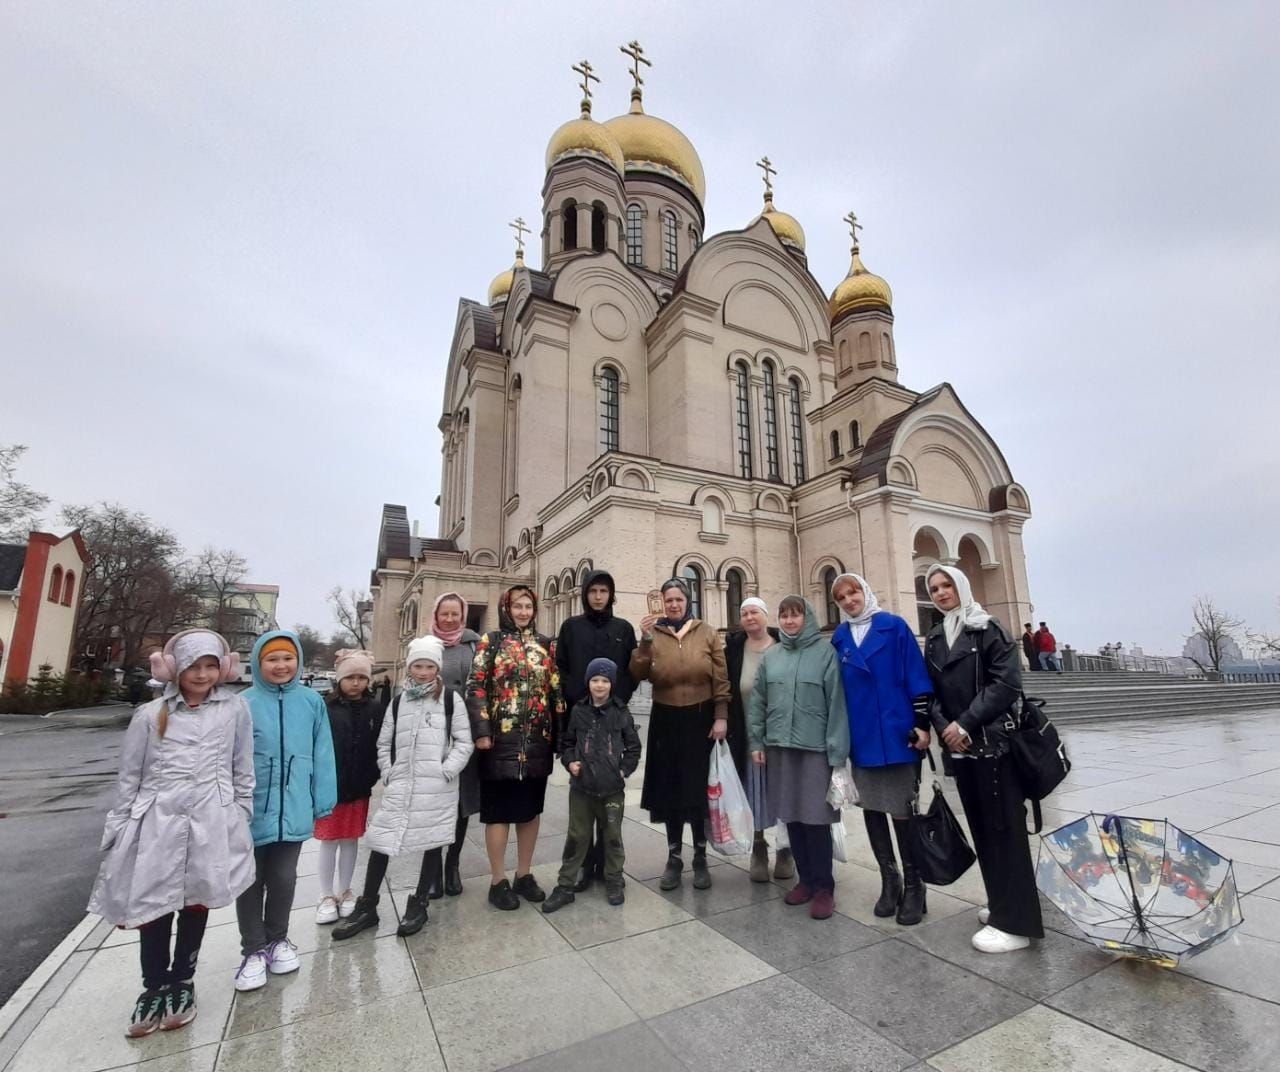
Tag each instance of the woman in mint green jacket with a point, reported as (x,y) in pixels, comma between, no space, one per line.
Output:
(797,725)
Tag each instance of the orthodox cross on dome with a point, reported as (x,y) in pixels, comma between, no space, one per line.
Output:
(636,53)
(854,228)
(585,69)
(766,166)
(521,229)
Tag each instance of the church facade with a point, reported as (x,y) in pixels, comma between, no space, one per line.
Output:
(657,401)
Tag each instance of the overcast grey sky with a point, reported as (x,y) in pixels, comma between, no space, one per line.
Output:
(233,237)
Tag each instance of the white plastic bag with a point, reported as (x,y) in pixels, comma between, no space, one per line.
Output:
(781,838)
(842,793)
(838,851)
(732,829)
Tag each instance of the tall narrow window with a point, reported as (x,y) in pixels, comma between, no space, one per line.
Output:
(694,239)
(733,597)
(797,432)
(835,445)
(599,220)
(771,424)
(68,588)
(743,395)
(608,410)
(55,585)
(693,578)
(635,235)
(828,582)
(569,221)
(855,436)
(670,235)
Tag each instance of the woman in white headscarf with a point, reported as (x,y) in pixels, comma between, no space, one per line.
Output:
(887,692)
(977,681)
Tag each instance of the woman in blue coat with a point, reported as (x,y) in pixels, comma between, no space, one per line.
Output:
(886,690)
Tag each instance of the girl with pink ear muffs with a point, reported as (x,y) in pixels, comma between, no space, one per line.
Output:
(177,840)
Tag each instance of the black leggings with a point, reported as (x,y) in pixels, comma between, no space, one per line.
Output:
(377,871)
(153,944)
(675,835)
(454,851)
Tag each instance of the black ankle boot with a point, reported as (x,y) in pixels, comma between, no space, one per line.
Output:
(415,915)
(452,878)
(363,917)
(877,824)
(890,892)
(701,873)
(435,888)
(913,906)
(671,873)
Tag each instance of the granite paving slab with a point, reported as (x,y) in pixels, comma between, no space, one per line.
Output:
(787,937)
(634,1048)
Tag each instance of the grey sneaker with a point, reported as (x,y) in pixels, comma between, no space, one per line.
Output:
(148,1011)
(179,1006)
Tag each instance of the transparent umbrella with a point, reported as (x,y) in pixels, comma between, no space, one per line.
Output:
(1139,887)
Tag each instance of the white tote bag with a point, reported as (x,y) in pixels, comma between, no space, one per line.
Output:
(732,829)
(838,850)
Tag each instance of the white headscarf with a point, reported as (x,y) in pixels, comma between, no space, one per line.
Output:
(755,601)
(968,614)
(859,624)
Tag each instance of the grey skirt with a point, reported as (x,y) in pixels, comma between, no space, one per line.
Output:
(887,789)
(797,786)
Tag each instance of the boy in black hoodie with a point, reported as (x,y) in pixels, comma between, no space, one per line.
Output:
(600,750)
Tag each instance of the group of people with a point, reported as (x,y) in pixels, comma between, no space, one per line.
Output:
(218,790)
(1041,648)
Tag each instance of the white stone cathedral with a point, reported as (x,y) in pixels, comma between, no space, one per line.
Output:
(656,401)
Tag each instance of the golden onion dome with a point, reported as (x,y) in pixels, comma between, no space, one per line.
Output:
(504,281)
(585,137)
(784,225)
(860,289)
(652,144)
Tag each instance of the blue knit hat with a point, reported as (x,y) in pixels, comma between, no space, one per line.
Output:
(601,668)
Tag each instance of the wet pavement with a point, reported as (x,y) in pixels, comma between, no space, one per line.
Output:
(684,980)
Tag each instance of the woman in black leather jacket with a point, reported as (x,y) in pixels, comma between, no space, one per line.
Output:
(977,682)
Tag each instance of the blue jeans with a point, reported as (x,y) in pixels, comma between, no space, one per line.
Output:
(1047,657)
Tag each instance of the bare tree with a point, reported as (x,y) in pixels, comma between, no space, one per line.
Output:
(218,573)
(20,505)
(347,613)
(1217,629)
(1266,644)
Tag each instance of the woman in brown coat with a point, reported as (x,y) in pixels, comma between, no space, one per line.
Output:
(684,659)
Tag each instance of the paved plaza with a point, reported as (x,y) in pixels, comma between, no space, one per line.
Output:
(732,978)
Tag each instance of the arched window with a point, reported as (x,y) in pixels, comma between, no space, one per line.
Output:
(695,239)
(693,578)
(842,363)
(855,436)
(599,221)
(69,588)
(927,615)
(635,235)
(55,585)
(864,349)
(733,596)
(608,409)
(835,445)
(712,515)
(828,582)
(772,471)
(886,349)
(569,223)
(797,431)
(670,233)
(743,397)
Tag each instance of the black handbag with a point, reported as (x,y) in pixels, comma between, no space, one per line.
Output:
(1039,757)
(937,843)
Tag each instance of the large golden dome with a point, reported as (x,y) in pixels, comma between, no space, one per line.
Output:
(652,144)
(860,289)
(585,137)
(504,281)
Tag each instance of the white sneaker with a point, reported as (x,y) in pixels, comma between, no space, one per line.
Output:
(327,910)
(990,940)
(984,914)
(252,973)
(347,904)
(282,957)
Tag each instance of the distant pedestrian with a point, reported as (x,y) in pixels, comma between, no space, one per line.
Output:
(177,838)
(1029,649)
(1047,648)
(296,785)
(355,718)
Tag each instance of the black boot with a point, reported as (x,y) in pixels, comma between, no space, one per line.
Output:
(527,887)
(453,876)
(415,915)
(502,896)
(430,878)
(701,873)
(560,897)
(362,918)
(671,873)
(877,824)
(914,905)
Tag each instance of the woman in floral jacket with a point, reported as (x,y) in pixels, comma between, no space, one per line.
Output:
(513,697)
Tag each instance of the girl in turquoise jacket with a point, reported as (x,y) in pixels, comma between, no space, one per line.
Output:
(296,784)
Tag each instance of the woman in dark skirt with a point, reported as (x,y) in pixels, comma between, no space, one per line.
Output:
(799,730)
(513,698)
(449,623)
(977,682)
(684,659)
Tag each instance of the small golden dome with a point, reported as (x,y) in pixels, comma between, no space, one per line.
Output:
(585,137)
(784,225)
(652,144)
(504,281)
(860,289)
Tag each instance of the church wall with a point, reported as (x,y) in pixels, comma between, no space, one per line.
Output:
(481,492)
(386,611)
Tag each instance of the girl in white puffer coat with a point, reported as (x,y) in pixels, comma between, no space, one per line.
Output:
(424,744)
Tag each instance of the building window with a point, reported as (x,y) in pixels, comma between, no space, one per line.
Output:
(608,409)
(797,432)
(55,585)
(569,223)
(743,393)
(734,596)
(927,615)
(599,220)
(68,588)
(635,235)
(835,446)
(693,579)
(828,582)
(855,436)
(695,239)
(771,423)
(670,232)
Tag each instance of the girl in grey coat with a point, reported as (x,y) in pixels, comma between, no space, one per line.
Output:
(177,839)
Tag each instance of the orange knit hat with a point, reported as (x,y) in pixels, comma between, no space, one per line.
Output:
(277,644)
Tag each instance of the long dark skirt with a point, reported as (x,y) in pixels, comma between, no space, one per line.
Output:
(469,787)
(677,755)
(997,814)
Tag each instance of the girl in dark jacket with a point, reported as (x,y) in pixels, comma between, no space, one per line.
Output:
(355,717)
(977,682)
(513,698)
